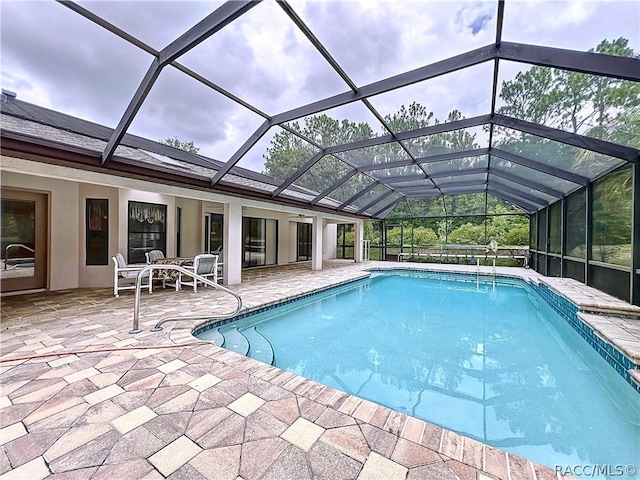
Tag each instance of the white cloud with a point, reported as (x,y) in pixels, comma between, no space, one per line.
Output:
(55,58)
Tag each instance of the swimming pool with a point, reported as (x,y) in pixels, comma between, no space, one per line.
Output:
(493,363)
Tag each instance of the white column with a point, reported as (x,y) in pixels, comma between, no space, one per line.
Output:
(232,243)
(284,236)
(316,247)
(330,241)
(357,254)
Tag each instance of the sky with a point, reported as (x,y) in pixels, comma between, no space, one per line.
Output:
(53,57)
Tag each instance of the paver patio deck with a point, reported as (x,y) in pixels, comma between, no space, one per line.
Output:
(84,399)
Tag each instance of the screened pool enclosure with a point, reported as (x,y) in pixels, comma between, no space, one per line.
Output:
(481,123)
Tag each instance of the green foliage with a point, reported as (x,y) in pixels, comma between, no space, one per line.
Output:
(530,96)
(468,234)
(612,217)
(507,230)
(468,204)
(350,238)
(411,118)
(624,129)
(518,236)
(176,143)
(425,236)
(503,229)
(591,105)
(401,210)
(572,101)
(288,152)
(394,236)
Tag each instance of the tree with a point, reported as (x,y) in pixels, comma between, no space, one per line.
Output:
(288,152)
(612,214)
(468,234)
(529,96)
(613,97)
(577,102)
(591,105)
(518,235)
(176,143)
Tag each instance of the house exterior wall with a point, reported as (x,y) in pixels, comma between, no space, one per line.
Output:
(287,230)
(64,235)
(192,229)
(68,188)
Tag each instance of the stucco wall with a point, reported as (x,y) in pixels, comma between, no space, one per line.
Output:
(192,231)
(68,190)
(63,235)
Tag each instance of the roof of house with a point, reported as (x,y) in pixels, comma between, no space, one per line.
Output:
(31,123)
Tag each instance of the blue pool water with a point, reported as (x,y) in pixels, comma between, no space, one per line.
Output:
(494,363)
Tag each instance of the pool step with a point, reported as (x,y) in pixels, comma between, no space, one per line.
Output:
(214,336)
(260,348)
(250,342)
(235,341)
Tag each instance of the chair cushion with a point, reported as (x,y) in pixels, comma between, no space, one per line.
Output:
(206,264)
(121,265)
(120,260)
(155,255)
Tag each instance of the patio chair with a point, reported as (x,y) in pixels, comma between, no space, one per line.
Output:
(123,273)
(152,256)
(205,265)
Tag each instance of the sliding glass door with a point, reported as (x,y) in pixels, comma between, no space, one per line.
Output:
(24,240)
(304,241)
(260,242)
(213,226)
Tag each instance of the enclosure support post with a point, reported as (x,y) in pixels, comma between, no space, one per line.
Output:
(358,243)
(563,232)
(588,232)
(635,236)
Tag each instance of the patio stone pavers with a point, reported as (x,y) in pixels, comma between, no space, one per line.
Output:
(173,456)
(303,434)
(87,400)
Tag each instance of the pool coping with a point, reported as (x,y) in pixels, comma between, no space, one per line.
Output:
(256,310)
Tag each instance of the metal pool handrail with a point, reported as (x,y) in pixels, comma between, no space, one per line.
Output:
(196,277)
(11,245)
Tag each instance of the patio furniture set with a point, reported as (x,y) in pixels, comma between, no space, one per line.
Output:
(125,275)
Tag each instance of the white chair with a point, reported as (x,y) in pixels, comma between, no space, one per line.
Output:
(205,265)
(152,256)
(124,273)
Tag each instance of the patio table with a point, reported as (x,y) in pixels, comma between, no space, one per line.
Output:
(170,274)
